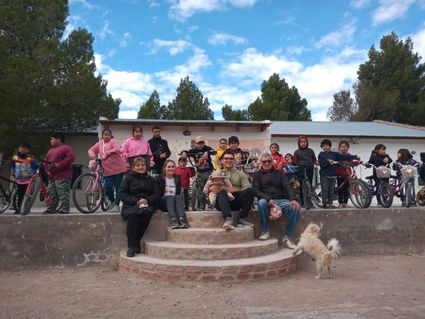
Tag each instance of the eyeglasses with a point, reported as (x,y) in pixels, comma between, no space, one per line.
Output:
(228,158)
(200,143)
(266,161)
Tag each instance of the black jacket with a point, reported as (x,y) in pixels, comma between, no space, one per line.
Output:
(378,160)
(160,181)
(272,184)
(202,167)
(135,186)
(158,146)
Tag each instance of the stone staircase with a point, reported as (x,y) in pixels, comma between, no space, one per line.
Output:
(206,252)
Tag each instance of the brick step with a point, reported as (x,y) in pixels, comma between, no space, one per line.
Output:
(204,219)
(210,236)
(270,266)
(169,250)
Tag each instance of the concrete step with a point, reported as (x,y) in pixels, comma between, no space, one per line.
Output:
(274,265)
(169,250)
(209,236)
(204,219)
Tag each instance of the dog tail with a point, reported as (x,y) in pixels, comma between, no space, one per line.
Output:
(334,247)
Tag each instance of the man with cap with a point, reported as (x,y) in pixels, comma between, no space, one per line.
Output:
(202,155)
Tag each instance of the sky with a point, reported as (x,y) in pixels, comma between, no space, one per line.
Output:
(229,47)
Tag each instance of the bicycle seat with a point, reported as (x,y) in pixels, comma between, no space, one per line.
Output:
(369,177)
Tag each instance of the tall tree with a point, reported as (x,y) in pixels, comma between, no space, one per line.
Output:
(391,84)
(343,108)
(279,102)
(189,103)
(46,83)
(234,115)
(152,108)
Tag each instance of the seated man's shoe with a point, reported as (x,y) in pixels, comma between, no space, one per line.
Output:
(228,224)
(131,252)
(264,236)
(174,223)
(288,242)
(183,223)
(245,223)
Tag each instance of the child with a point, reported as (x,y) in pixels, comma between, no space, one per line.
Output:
(240,156)
(327,159)
(136,146)
(278,160)
(23,167)
(343,170)
(185,173)
(59,170)
(215,184)
(304,157)
(379,158)
(291,168)
(222,147)
(113,164)
(404,157)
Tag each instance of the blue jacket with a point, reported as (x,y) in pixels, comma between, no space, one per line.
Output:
(328,169)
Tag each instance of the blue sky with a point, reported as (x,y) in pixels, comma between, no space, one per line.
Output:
(229,47)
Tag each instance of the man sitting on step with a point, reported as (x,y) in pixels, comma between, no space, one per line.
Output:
(242,191)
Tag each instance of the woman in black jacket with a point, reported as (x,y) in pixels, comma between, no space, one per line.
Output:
(139,194)
(170,193)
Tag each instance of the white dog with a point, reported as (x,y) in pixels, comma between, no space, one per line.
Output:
(313,246)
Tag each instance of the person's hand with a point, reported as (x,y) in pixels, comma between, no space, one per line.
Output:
(279,166)
(331,161)
(205,155)
(295,205)
(142,201)
(386,160)
(184,154)
(163,155)
(272,202)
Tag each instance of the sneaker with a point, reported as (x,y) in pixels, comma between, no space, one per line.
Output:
(264,236)
(228,224)
(48,211)
(174,223)
(115,209)
(131,252)
(288,242)
(63,212)
(325,206)
(246,223)
(331,206)
(183,223)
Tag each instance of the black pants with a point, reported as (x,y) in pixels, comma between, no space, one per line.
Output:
(136,228)
(186,198)
(20,193)
(300,174)
(173,205)
(243,202)
(344,190)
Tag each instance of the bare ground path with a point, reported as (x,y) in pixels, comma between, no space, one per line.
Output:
(362,287)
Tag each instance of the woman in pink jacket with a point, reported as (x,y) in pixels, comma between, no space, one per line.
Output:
(113,164)
(136,146)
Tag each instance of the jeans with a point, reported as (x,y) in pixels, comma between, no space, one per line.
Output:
(173,205)
(113,182)
(328,189)
(287,209)
(243,201)
(59,190)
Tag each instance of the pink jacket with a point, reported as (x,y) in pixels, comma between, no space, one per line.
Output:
(62,157)
(132,147)
(110,154)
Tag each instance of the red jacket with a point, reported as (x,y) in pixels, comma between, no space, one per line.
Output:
(278,160)
(185,174)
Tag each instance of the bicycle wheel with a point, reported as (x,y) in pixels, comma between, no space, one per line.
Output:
(367,194)
(194,197)
(359,194)
(87,193)
(317,195)
(7,197)
(408,192)
(386,194)
(30,195)
(106,203)
(307,191)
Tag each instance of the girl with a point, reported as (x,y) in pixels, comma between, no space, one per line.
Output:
(170,193)
(139,194)
(136,146)
(222,147)
(342,172)
(278,159)
(404,157)
(113,164)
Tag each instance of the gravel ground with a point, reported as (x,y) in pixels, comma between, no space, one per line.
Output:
(362,287)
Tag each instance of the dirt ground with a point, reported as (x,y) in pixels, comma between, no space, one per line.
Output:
(362,287)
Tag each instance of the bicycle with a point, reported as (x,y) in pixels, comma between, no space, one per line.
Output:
(408,174)
(359,190)
(308,194)
(36,186)
(380,187)
(8,193)
(88,191)
(248,163)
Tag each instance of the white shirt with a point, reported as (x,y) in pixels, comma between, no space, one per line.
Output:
(170,187)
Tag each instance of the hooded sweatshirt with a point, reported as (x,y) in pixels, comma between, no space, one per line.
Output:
(62,157)
(304,157)
(134,147)
(110,154)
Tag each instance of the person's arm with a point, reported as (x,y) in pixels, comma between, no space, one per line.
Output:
(323,161)
(313,156)
(295,157)
(125,150)
(125,195)
(149,152)
(94,150)
(115,148)
(167,149)
(67,161)
(245,183)
(256,186)
(345,157)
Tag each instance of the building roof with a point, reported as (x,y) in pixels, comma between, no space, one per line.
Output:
(359,129)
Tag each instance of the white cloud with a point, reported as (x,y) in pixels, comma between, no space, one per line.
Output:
(223,38)
(360,4)
(337,38)
(389,10)
(126,38)
(105,30)
(84,3)
(173,47)
(296,50)
(183,9)
(419,43)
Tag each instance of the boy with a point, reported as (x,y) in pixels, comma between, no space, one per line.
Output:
(327,159)
(185,173)
(23,167)
(239,154)
(304,157)
(59,169)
